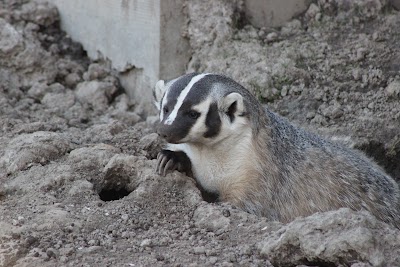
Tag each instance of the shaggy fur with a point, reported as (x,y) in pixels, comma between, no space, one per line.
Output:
(260,162)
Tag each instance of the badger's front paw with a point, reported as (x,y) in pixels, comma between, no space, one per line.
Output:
(168,160)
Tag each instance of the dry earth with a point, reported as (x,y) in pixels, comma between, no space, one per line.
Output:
(77,180)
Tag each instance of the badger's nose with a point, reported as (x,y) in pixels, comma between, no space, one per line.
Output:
(163,135)
(162,132)
(170,134)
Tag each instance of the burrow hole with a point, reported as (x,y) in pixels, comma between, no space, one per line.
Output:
(387,158)
(114,188)
(207,196)
(110,194)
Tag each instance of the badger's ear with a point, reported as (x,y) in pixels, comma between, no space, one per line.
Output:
(233,105)
(158,93)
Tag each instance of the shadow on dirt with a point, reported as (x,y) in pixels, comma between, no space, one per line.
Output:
(386,157)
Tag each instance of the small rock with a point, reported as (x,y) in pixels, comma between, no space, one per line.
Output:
(96,71)
(310,115)
(160,257)
(30,241)
(312,11)
(226,213)
(199,250)
(271,37)
(210,218)
(361,53)
(120,170)
(10,39)
(319,120)
(124,217)
(284,91)
(122,102)
(356,73)
(377,37)
(72,79)
(52,253)
(127,117)
(59,101)
(333,111)
(151,143)
(97,94)
(212,260)
(146,243)
(393,89)
(38,90)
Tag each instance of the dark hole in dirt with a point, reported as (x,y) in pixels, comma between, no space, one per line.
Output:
(110,194)
(209,197)
(319,264)
(387,158)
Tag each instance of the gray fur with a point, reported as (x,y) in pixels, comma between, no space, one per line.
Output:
(294,172)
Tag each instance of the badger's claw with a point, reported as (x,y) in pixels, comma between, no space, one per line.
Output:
(168,160)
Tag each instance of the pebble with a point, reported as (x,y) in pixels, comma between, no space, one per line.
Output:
(72,79)
(271,37)
(313,11)
(146,243)
(284,91)
(52,253)
(199,250)
(393,89)
(213,260)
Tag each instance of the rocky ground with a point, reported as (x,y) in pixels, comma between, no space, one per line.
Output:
(77,180)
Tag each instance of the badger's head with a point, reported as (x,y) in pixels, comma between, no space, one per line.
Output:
(202,108)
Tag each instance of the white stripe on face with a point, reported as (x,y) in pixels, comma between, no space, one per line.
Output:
(171,118)
(164,102)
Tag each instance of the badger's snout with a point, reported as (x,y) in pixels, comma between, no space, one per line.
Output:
(164,133)
(170,133)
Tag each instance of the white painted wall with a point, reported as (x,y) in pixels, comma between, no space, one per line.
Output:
(125,31)
(141,38)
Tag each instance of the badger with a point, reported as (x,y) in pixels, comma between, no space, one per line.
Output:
(218,133)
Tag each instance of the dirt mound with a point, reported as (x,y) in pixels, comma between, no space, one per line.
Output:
(77,179)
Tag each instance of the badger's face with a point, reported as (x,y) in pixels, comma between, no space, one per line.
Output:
(198,108)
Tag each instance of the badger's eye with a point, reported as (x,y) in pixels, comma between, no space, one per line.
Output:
(166,110)
(193,114)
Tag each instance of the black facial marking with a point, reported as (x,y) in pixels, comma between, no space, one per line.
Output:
(231,111)
(166,109)
(213,121)
(179,129)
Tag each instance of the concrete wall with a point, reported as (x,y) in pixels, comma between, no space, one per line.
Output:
(142,38)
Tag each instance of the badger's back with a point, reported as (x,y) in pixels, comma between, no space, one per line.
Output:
(320,175)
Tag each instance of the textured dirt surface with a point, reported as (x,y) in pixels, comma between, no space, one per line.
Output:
(77,179)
